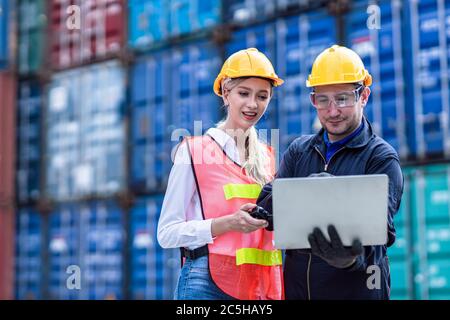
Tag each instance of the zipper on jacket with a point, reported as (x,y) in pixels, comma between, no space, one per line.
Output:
(324,160)
(307,279)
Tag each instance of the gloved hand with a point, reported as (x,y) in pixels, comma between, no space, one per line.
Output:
(334,252)
(321,174)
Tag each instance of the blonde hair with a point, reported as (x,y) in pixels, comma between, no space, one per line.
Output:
(257,161)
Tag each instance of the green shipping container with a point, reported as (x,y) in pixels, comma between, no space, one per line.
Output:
(430,194)
(32,35)
(400,253)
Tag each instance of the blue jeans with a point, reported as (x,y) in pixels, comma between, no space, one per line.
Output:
(195,282)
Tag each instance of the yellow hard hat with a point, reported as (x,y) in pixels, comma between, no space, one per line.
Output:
(337,65)
(246,63)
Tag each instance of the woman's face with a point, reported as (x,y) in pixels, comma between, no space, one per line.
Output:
(247,102)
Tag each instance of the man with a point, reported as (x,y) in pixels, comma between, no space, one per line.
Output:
(346,145)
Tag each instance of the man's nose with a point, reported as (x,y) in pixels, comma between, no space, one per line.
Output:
(333,109)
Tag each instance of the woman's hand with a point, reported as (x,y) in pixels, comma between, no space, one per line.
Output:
(240,221)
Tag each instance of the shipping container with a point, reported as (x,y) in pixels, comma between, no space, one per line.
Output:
(244,12)
(374,31)
(85,31)
(147,23)
(299,40)
(153,22)
(150,117)
(86,246)
(401,252)
(189,16)
(32,35)
(427,57)
(195,66)
(30,104)
(7,223)
(7,137)
(29,267)
(154,270)
(85,147)
(430,194)
(5,30)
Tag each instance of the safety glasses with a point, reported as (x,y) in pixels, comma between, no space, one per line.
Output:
(342,99)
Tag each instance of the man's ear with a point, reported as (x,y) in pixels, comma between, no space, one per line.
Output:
(365,96)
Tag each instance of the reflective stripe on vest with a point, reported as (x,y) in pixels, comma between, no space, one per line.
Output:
(258,256)
(244,191)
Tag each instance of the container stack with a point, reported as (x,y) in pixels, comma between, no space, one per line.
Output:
(103,91)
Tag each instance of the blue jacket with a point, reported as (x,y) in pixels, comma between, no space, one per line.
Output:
(307,276)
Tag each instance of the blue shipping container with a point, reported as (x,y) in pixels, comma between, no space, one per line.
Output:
(188,16)
(154,271)
(28,140)
(301,38)
(4,33)
(243,12)
(153,22)
(374,31)
(147,23)
(86,132)
(194,68)
(428,104)
(86,243)
(150,117)
(28,255)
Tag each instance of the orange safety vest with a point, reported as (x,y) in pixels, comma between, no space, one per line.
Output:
(244,265)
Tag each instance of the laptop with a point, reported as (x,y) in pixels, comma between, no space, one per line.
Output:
(356,205)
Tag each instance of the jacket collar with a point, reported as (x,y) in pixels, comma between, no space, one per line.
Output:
(359,141)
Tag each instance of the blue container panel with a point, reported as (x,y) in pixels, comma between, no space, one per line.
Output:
(86,132)
(150,79)
(149,121)
(28,138)
(244,11)
(381,51)
(148,22)
(188,16)
(89,236)
(430,60)
(4,33)
(28,255)
(151,165)
(300,40)
(64,237)
(154,271)
(101,250)
(194,68)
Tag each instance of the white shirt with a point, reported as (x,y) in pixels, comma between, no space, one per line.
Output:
(181,222)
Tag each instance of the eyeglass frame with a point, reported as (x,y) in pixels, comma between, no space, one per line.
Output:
(357,92)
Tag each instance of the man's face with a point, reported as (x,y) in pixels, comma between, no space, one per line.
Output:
(339,122)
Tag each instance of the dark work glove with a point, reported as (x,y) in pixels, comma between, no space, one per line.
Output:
(320,175)
(334,252)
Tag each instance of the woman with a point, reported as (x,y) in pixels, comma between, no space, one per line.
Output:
(214,184)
